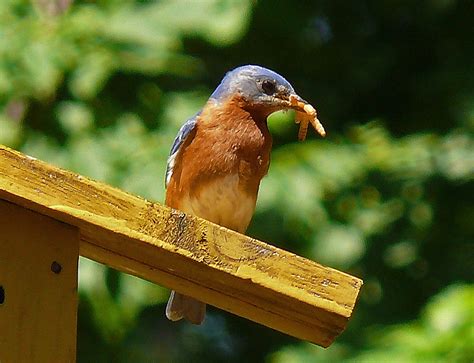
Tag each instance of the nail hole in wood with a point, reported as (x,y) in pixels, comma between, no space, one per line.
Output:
(56,267)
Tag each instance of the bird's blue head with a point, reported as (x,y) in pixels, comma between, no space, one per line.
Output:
(259,87)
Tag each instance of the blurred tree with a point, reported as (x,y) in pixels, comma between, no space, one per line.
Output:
(102,87)
(435,337)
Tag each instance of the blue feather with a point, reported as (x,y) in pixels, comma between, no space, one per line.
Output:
(183,133)
(235,80)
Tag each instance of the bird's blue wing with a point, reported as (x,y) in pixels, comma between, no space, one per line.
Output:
(183,133)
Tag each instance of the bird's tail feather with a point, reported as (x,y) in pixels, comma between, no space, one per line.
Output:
(181,306)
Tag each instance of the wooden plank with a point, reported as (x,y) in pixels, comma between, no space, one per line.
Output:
(193,256)
(38,276)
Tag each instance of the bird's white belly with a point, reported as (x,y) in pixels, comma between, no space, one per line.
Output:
(223,202)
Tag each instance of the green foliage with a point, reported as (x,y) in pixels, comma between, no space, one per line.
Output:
(90,43)
(443,333)
(101,88)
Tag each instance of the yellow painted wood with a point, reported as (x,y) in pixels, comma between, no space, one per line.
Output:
(38,276)
(188,254)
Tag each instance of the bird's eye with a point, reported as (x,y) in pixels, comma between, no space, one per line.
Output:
(268,87)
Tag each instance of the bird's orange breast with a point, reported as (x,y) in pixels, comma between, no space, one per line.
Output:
(219,167)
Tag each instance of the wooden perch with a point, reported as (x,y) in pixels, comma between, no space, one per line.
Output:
(220,267)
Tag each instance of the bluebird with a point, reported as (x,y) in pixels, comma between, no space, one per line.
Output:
(221,154)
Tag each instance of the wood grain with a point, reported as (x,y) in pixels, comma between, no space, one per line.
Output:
(188,254)
(38,274)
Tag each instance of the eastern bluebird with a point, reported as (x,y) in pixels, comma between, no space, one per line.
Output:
(220,155)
